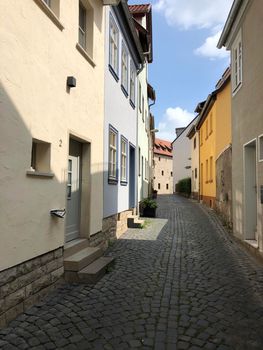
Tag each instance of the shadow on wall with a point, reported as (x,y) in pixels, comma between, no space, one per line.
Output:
(27,228)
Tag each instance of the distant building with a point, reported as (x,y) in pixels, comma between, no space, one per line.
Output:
(241,34)
(163,167)
(182,154)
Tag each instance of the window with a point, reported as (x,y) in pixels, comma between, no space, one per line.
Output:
(206,170)
(124,159)
(139,161)
(159,159)
(69,184)
(132,83)
(40,156)
(206,129)
(82,26)
(237,63)
(113,135)
(53,5)
(142,167)
(195,143)
(171,173)
(162,172)
(140,96)
(159,186)
(211,169)
(211,123)
(195,173)
(201,136)
(260,148)
(114,45)
(85,41)
(167,186)
(124,67)
(143,108)
(145,163)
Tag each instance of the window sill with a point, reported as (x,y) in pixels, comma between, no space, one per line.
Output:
(45,8)
(132,104)
(112,181)
(124,183)
(85,55)
(124,91)
(236,89)
(39,174)
(114,74)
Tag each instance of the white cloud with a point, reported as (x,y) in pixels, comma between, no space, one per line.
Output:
(172,119)
(209,49)
(199,14)
(194,13)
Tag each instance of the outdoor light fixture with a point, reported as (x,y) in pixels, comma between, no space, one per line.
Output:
(59,213)
(71,82)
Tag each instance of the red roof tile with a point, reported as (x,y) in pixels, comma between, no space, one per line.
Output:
(163,147)
(143,8)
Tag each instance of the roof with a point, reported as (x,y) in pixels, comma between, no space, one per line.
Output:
(144,31)
(142,8)
(237,6)
(212,97)
(182,133)
(163,147)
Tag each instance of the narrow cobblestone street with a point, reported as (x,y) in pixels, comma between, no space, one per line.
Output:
(179,283)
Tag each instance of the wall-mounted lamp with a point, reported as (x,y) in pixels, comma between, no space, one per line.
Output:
(59,213)
(71,82)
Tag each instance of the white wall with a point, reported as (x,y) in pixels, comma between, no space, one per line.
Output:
(182,156)
(123,117)
(143,135)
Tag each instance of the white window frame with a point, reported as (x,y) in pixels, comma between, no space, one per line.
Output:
(124,67)
(260,145)
(236,63)
(124,152)
(113,154)
(132,82)
(114,46)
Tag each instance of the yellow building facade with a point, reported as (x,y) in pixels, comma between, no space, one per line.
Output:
(214,128)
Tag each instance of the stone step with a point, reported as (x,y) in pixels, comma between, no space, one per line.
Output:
(81,259)
(134,222)
(95,271)
(75,246)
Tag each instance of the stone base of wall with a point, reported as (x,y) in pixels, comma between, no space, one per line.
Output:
(23,285)
(223,203)
(209,201)
(195,195)
(114,226)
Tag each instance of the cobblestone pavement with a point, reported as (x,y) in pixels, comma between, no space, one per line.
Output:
(180,283)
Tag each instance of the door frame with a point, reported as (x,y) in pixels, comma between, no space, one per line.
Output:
(130,182)
(85,183)
(245,234)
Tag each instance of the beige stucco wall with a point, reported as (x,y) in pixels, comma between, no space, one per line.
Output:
(36,58)
(165,164)
(247,114)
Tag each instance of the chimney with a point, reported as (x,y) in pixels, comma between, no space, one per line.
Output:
(178,131)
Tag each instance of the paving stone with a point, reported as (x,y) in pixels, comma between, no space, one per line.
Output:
(180,283)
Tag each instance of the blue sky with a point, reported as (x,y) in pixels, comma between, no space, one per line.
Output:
(186,63)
